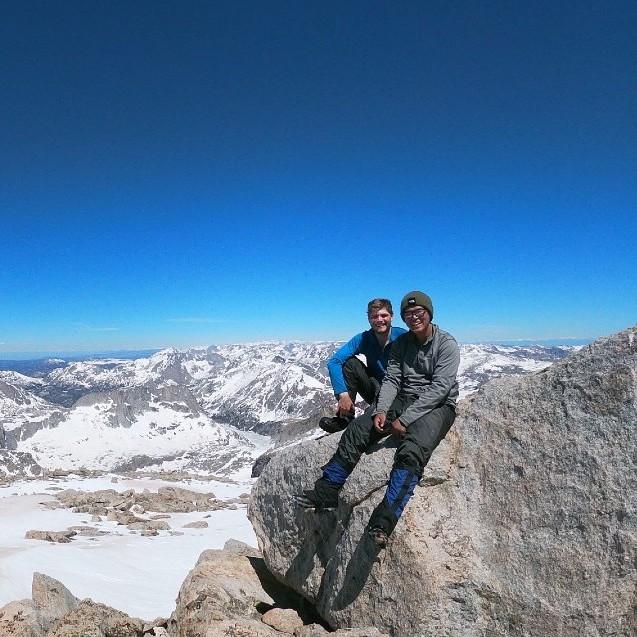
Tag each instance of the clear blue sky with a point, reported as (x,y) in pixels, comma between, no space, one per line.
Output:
(185,173)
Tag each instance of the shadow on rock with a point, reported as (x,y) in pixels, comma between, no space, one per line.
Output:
(357,571)
(283,596)
(321,534)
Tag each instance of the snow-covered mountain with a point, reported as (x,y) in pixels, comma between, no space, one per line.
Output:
(189,409)
(140,427)
(22,411)
(480,363)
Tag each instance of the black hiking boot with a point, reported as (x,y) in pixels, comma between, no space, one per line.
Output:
(310,500)
(378,536)
(334,424)
(323,496)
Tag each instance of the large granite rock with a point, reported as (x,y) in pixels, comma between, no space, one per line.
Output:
(50,600)
(227,589)
(525,523)
(91,619)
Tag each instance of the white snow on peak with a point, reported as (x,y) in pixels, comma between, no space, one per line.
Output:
(21,380)
(87,438)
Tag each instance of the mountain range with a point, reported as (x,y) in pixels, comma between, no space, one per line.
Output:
(209,409)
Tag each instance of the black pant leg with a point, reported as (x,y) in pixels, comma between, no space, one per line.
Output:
(359,381)
(358,436)
(422,437)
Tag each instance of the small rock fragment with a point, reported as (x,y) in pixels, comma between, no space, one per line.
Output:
(286,620)
(61,537)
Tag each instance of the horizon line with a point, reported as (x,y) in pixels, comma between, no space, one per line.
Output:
(39,354)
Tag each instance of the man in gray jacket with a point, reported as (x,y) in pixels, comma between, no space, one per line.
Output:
(417,401)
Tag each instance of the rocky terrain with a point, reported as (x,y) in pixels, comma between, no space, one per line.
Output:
(147,512)
(188,410)
(229,593)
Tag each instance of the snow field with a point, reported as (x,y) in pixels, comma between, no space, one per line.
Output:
(139,575)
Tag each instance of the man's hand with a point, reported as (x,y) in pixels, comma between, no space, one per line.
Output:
(379,422)
(345,405)
(398,429)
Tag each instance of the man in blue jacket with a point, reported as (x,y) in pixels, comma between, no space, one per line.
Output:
(348,374)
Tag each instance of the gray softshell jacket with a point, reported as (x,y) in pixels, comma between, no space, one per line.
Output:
(424,371)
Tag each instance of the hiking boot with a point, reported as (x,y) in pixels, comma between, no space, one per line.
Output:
(333,424)
(310,500)
(378,536)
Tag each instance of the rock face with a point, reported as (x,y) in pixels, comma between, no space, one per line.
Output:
(229,593)
(90,619)
(222,589)
(17,464)
(34,617)
(51,599)
(525,523)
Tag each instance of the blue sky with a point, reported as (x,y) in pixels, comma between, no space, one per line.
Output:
(190,173)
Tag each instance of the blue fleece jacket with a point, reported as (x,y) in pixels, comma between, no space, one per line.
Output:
(364,343)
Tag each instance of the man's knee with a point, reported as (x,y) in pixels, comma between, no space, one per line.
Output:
(423,436)
(356,438)
(359,381)
(412,456)
(359,429)
(353,371)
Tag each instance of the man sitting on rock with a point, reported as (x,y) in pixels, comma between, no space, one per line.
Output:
(350,376)
(417,401)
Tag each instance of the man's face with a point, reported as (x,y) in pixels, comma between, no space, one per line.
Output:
(380,320)
(417,319)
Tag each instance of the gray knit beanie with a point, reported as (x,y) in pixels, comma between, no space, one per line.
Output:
(412,299)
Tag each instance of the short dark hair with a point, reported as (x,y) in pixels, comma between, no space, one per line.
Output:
(375,305)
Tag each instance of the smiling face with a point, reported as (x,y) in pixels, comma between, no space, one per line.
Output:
(380,320)
(418,320)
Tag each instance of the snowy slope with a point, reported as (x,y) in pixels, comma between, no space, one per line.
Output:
(21,410)
(480,363)
(19,380)
(140,428)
